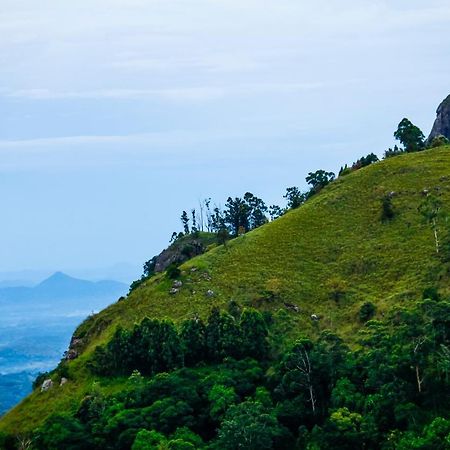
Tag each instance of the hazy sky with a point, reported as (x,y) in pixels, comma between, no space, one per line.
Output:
(118,114)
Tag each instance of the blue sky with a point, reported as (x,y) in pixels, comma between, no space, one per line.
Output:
(116,115)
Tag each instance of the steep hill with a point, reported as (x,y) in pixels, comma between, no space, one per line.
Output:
(321,261)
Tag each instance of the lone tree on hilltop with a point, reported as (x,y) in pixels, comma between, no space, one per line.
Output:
(319,179)
(410,136)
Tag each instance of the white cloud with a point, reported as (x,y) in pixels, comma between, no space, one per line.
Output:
(204,93)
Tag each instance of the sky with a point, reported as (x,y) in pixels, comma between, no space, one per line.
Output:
(116,115)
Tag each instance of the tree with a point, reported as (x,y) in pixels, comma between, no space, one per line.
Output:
(254,334)
(223,236)
(257,210)
(431,211)
(193,340)
(298,363)
(237,215)
(218,220)
(410,136)
(221,398)
(319,179)
(275,211)
(156,347)
(367,311)
(148,440)
(365,161)
(387,210)
(63,432)
(393,152)
(185,222)
(194,221)
(149,267)
(248,426)
(294,197)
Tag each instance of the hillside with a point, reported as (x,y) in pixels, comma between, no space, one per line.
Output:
(324,259)
(334,245)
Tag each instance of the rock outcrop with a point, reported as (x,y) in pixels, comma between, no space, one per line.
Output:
(441,125)
(46,385)
(183,249)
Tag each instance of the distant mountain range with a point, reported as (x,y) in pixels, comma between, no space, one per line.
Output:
(60,286)
(36,323)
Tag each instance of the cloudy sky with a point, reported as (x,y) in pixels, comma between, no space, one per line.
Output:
(118,114)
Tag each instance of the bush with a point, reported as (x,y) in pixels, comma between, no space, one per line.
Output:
(173,271)
(387,209)
(367,311)
(431,293)
(439,141)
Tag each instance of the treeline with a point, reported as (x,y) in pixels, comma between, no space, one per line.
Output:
(243,214)
(155,346)
(226,385)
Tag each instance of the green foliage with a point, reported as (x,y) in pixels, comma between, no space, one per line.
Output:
(387,209)
(335,234)
(317,393)
(245,213)
(151,347)
(431,293)
(221,398)
(393,152)
(223,236)
(294,197)
(248,425)
(364,161)
(193,341)
(148,440)
(439,141)
(155,346)
(63,432)
(319,179)
(254,335)
(173,272)
(410,136)
(367,311)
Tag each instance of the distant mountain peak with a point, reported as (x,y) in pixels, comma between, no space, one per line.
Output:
(57,277)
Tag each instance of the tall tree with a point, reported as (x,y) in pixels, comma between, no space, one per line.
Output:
(257,210)
(237,215)
(319,179)
(185,222)
(410,136)
(294,197)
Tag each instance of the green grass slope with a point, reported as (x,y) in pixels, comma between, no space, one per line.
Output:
(327,258)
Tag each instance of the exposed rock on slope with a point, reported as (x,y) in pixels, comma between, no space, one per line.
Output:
(183,249)
(441,125)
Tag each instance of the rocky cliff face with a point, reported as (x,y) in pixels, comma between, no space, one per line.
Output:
(441,125)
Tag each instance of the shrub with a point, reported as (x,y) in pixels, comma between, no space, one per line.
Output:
(387,209)
(173,271)
(439,141)
(367,311)
(431,293)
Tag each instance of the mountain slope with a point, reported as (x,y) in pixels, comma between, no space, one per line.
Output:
(326,259)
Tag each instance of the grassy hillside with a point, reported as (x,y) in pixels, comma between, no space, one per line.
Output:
(326,258)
